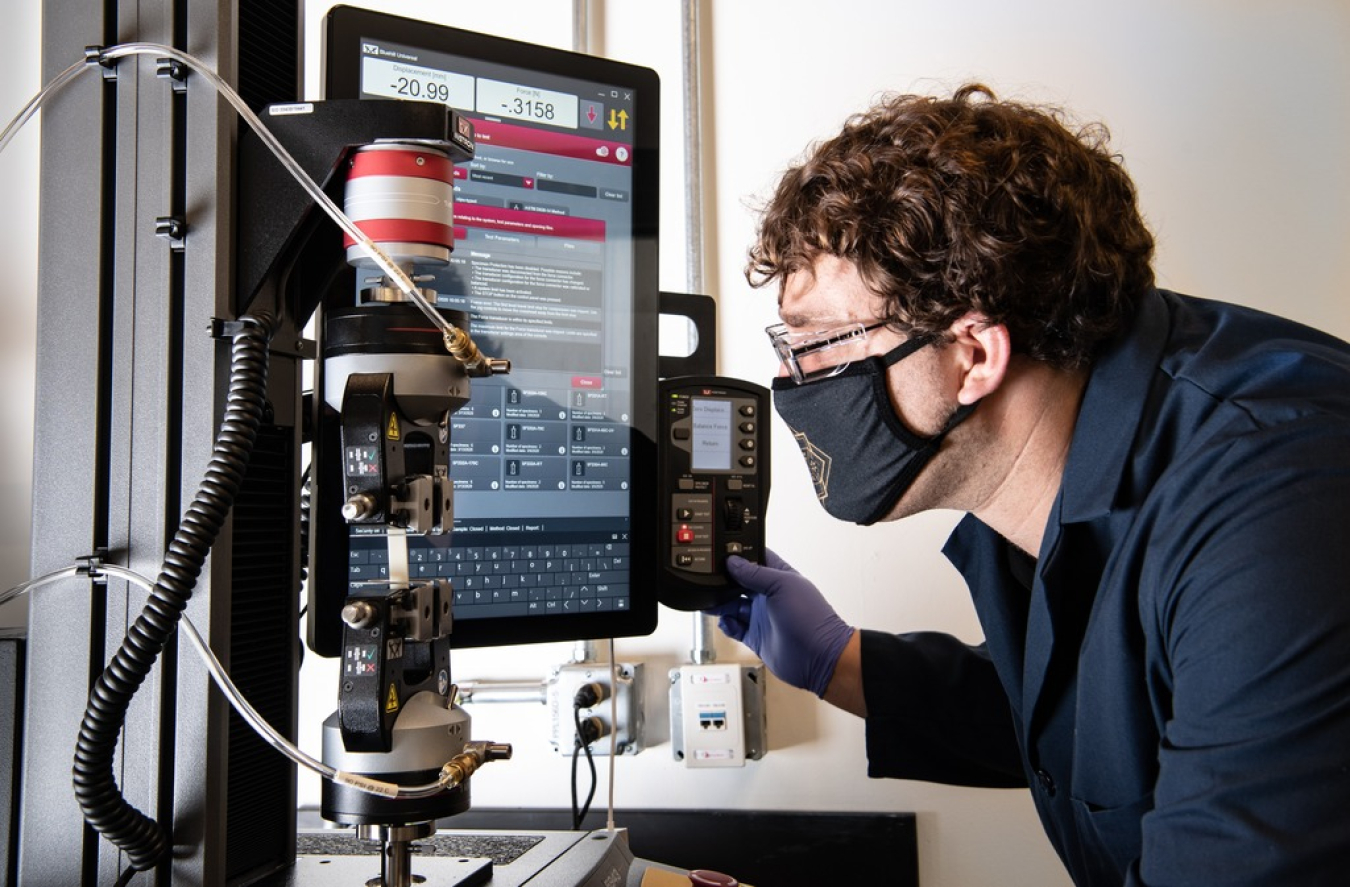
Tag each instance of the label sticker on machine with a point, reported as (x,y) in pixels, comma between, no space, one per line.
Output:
(360,660)
(363,461)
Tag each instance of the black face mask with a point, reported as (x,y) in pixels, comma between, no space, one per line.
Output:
(861,456)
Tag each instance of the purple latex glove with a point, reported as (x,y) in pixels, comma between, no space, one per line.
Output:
(784,618)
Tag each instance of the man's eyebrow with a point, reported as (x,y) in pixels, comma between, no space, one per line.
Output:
(793,319)
(813,322)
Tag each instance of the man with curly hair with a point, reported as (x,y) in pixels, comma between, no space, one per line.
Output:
(1157,488)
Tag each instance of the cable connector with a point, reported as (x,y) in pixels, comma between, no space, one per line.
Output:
(466,763)
(174,71)
(174,230)
(220,328)
(590,694)
(463,349)
(90,564)
(589,730)
(97,55)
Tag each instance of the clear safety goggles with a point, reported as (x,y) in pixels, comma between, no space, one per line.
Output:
(817,355)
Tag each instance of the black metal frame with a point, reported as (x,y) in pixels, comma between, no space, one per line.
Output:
(137,233)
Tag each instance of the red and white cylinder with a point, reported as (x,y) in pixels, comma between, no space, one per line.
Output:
(401,195)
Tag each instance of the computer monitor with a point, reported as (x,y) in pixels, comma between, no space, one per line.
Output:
(555,261)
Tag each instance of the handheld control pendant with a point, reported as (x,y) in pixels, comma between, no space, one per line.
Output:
(714,485)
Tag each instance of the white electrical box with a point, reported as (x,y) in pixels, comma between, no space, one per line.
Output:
(562,687)
(717,714)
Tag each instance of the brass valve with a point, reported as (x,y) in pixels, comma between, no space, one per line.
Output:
(466,763)
(462,347)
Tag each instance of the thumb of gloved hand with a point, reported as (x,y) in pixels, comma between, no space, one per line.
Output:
(785,619)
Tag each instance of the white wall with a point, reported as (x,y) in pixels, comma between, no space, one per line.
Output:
(1233,117)
(19,80)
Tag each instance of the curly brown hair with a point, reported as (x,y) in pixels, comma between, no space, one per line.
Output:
(970,204)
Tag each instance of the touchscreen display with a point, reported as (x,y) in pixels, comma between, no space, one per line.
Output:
(554,262)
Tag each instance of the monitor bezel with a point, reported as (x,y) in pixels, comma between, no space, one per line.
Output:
(344,29)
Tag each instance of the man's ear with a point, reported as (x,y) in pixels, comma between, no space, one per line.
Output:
(984,351)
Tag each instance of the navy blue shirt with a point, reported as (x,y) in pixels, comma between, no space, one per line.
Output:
(1171,675)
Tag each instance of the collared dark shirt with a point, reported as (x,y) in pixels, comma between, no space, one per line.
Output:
(1171,676)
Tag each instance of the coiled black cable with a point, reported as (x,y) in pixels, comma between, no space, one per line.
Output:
(105,809)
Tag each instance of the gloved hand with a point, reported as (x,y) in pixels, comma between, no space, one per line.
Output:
(784,618)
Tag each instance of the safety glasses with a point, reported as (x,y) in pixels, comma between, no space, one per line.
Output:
(817,355)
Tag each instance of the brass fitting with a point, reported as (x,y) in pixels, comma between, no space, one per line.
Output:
(462,347)
(466,763)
